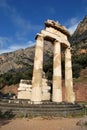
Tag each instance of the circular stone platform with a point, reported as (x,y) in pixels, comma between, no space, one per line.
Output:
(24,108)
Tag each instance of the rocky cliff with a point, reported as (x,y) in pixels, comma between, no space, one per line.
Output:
(22,59)
(79,38)
(81,32)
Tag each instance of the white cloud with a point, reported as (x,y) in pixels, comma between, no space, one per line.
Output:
(4,51)
(4,41)
(24,27)
(30,43)
(22,46)
(73,28)
(73,21)
(72,24)
(15,47)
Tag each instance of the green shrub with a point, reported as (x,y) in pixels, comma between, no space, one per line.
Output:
(76,70)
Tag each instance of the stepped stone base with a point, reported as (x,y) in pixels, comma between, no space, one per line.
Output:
(24,108)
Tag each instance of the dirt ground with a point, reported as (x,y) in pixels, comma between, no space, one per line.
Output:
(41,124)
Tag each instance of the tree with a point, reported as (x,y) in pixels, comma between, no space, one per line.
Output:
(76,70)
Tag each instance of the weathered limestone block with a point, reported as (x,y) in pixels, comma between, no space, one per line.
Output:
(69,93)
(37,71)
(57,86)
(45,90)
(24,90)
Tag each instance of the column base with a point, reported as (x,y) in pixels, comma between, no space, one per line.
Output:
(36,95)
(57,95)
(70,98)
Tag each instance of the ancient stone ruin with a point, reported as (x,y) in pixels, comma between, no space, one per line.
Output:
(38,90)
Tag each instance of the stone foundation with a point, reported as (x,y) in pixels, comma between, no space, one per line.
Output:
(25,90)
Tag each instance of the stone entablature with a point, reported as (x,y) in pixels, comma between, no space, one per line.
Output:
(54,31)
(57,26)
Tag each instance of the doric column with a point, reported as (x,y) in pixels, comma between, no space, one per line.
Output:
(69,94)
(37,71)
(57,87)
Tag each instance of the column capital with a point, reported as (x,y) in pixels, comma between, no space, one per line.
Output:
(39,36)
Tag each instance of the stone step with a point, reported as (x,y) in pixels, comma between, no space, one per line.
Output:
(29,110)
(73,106)
(43,113)
(41,109)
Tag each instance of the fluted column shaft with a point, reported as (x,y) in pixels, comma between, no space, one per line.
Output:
(69,94)
(57,87)
(37,71)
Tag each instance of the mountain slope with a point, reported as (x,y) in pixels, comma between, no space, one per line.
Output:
(22,59)
(80,33)
(79,39)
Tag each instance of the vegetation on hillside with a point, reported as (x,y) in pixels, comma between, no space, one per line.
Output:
(79,62)
(14,77)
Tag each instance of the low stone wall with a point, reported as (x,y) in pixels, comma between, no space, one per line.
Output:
(25,90)
(81,92)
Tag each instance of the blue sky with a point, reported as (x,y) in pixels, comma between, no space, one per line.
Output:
(20,20)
